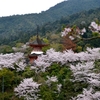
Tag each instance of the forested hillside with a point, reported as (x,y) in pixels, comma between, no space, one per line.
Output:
(13,26)
(80,19)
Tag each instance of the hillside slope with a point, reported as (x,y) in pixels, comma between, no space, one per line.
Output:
(12,26)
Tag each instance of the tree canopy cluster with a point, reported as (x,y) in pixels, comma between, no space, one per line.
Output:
(55,75)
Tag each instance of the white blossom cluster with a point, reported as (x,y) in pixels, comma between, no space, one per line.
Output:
(65,32)
(81,70)
(51,79)
(28,89)
(59,87)
(44,61)
(84,72)
(95,27)
(9,60)
(20,65)
(40,64)
(72,36)
(88,94)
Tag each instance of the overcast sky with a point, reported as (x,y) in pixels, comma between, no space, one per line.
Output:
(14,7)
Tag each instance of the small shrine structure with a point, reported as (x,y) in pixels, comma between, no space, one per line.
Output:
(37,46)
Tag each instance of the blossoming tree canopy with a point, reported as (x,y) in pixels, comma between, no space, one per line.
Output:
(70,36)
(28,89)
(9,60)
(95,27)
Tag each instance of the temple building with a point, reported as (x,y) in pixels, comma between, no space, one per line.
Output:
(37,46)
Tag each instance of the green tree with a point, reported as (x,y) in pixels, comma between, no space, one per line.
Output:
(6,49)
(7,78)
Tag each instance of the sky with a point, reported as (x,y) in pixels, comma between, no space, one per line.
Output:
(18,7)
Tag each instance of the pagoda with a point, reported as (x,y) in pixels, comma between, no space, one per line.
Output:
(37,46)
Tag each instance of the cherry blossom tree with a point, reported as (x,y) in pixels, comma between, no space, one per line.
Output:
(28,89)
(94,27)
(12,59)
(51,79)
(73,35)
(88,95)
(65,57)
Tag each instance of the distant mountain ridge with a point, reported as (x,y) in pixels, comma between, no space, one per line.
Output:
(12,25)
(70,7)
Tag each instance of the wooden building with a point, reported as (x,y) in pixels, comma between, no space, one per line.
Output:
(37,46)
